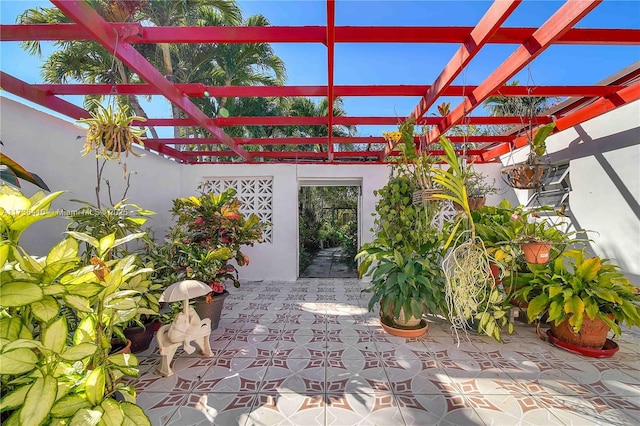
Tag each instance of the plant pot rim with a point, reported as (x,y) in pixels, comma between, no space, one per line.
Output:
(608,350)
(394,330)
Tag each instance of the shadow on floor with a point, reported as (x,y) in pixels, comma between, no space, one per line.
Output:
(327,264)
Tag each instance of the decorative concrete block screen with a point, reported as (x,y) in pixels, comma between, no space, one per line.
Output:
(255,194)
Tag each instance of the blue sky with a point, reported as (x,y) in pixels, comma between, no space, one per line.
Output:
(400,63)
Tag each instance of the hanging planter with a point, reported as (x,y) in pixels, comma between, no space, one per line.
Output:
(525,176)
(110,132)
(530,174)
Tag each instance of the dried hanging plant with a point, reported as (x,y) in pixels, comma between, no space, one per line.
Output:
(110,132)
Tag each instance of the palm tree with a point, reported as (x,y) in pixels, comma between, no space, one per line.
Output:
(524,107)
(306,107)
(87,61)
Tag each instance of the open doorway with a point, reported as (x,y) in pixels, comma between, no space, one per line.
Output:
(328,229)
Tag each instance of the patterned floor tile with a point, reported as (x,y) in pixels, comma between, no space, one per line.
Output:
(592,410)
(160,407)
(287,409)
(187,372)
(441,409)
(360,408)
(309,352)
(243,375)
(511,410)
(305,376)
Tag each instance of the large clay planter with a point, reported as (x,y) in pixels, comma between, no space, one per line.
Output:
(592,334)
(211,310)
(536,252)
(140,337)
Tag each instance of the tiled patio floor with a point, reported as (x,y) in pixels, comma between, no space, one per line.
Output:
(308,353)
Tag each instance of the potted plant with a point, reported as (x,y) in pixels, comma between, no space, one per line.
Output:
(582,295)
(473,298)
(529,175)
(57,316)
(209,234)
(539,239)
(110,132)
(477,188)
(414,163)
(405,282)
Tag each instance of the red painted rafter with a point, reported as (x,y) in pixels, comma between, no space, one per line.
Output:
(599,107)
(331,38)
(196,90)
(37,96)
(136,33)
(478,37)
(565,17)
(89,19)
(340,121)
(361,140)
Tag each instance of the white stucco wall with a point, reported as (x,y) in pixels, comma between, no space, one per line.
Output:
(604,155)
(51,148)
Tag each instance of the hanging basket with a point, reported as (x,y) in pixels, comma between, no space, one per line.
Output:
(423,196)
(525,176)
(536,252)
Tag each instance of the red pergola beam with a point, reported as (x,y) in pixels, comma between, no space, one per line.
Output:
(331,39)
(311,154)
(362,140)
(26,91)
(322,121)
(565,17)
(136,33)
(599,107)
(103,32)
(196,90)
(41,97)
(478,37)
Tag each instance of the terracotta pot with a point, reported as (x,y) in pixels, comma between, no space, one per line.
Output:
(120,347)
(592,334)
(495,273)
(536,252)
(390,328)
(211,310)
(141,337)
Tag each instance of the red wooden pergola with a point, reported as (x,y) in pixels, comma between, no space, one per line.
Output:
(584,103)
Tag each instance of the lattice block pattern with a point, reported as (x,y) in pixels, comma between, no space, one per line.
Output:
(255,194)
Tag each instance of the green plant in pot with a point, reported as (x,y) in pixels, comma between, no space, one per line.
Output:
(582,295)
(473,298)
(209,235)
(404,281)
(403,259)
(55,366)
